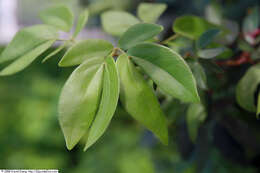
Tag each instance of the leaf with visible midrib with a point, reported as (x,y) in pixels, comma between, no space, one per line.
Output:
(60,17)
(80,99)
(26,59)
(138,33)
(167,69)
(139,99)
(26,40)
(108,102)
(84,50)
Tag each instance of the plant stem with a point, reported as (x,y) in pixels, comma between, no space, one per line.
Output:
(170,38)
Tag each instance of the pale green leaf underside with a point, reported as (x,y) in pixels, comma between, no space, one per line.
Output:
(196,114)
(192,26)
(150,12)
(85,50)
(252,21)
(27,59)
(167,69)
(82,21)
(246,88)
(210,53)
(117,22)
(139,99)
(79,100)
(60,17)
(27,39)
(199,74)
(138,33)
(108,102)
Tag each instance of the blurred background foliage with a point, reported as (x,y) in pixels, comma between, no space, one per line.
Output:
(30,136)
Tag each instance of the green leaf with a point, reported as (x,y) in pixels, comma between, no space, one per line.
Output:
(139,99)
(230,32)
(60,48)
(210,53)
(138,33)
(117,22)
(27,39)
(181,45)
(245,46)
(214,13)
(206,38)
(150,12)
(196,115)
(85,50)
(60,17)
(108,102)
(80,99)
(226,54)
(246,88)
(26,60)
(258,106)
(199,74)
(167,69)
(82,21)
(192,26)
(252,21)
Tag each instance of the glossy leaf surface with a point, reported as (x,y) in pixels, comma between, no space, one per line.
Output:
(26,59)
(26,40)
(139,99)
(80,99)
(108,103)
(167,69)
(84,50)
(138,33)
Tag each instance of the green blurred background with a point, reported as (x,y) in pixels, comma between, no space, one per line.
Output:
(30,136)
